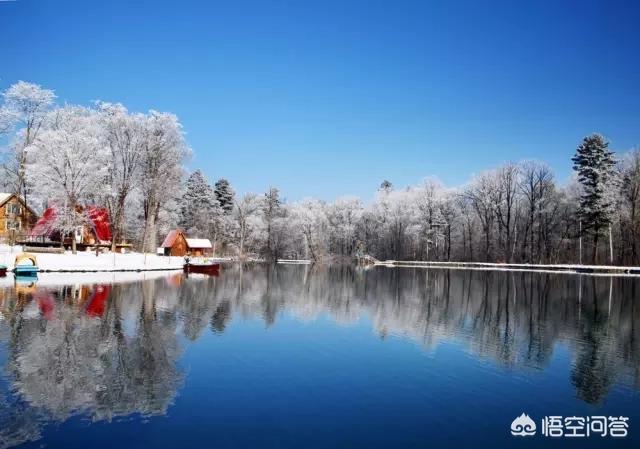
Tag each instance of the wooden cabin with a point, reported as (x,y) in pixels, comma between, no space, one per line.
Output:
(177,244)
(15,217)
(200,247)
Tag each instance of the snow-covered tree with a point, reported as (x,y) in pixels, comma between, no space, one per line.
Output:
(310,219)
(271,211)
(198,205)
(431,222)
(480,195)
(163,151)
(124,134)
(396,213)
(630,205)
(67,160)
(507,208)
(343,217)
(245,219)
(26,106)
(594,163)
(225,195)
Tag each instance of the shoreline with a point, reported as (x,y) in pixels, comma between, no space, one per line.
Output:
(603,270)
(88,262)
(609,270)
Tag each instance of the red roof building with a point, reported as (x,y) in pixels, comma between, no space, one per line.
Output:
(98,229)
(175,244)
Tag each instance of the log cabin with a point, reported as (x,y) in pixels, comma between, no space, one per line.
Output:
(16,217)
(200,247)
(177,244)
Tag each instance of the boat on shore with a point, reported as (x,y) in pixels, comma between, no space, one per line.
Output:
(3,270)
(203,266)
(25,266)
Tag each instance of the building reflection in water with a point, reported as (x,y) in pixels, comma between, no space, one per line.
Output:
(107,351)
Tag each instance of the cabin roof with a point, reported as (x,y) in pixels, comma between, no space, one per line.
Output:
(4,197)
(199,243)
(171,237)
(98,217)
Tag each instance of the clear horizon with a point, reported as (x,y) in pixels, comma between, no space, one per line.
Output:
(328,100)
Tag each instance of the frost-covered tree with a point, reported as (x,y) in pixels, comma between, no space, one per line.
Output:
(507,208)
(430,221)
(245,219)
(25,106)
(396,213)
(163,151)
(198,205)
(480,195)
(449,213)
(594,163)
(343,217)
(272,211)
(630,205)
(67,160)
(310,218)
(124,134)
(7,120)
(225,195)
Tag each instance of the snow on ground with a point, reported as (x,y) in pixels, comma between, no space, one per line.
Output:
(104,277)
(87,261)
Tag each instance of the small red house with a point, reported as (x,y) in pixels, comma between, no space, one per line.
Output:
(96,231)
(175,244)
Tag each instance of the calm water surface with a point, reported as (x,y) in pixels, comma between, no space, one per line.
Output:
(296,357)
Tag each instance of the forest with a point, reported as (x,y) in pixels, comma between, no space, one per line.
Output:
(135,164)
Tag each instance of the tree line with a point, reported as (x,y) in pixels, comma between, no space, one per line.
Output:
(133,164)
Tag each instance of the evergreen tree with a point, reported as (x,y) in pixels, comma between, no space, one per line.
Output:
(225,195)
(198,203)
(386,186)
(594,163)
(271,211)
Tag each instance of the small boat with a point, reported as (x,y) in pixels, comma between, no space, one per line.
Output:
(3,270)
(25,266)
(203,266)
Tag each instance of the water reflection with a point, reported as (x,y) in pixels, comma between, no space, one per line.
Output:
(109,351)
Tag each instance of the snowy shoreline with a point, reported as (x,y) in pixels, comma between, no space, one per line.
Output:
(607,270)
(89,262)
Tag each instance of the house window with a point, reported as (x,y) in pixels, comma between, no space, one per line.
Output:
(13,225)
(14,209)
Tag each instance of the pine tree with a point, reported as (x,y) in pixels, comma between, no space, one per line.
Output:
(198,202)
(594,163)
(386,186)
(225,195)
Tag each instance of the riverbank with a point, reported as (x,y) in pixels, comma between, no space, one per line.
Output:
(555,268)
(89,262)
(605,270)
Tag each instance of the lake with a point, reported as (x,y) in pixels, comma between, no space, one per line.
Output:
(318,357)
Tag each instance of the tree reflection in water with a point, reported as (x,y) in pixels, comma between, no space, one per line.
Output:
(67,354)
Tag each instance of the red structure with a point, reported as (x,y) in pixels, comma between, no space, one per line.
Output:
(98,229)
(175,244)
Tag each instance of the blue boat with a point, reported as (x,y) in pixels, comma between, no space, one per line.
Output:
(25,270)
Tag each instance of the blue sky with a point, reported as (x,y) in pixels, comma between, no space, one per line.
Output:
(331,97)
